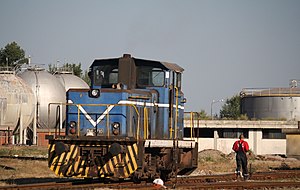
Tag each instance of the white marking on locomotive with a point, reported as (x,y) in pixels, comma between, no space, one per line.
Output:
(121,102)
(87,116)
(169,143)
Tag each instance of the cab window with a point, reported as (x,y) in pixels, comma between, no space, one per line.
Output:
(105,75)
(150,76)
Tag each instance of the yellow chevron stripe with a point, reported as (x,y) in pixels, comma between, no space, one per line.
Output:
(81,167)
(69,153)
(132,157)
(115,161)
(86,171)
(122,161)
(136,153)
(110,164)
(59,163)
(54,159)
(105,169)
(102,172)
(52,149)
(128,164)
(53,163)
(76,164)
(72,158)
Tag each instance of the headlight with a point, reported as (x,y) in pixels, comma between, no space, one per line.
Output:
(72,129)
(115,128)
(95,93)
(116,125)
(72,124)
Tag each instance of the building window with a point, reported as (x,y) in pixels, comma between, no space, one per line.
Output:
(273,134)
(199,133)
(233,133)
(209,133)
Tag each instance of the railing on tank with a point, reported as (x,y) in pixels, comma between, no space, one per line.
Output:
(7,70)
(59,106)
(270,92)
(63,70)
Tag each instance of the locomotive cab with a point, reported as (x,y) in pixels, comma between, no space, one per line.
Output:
(128,124)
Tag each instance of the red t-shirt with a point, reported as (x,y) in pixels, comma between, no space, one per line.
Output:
(244,144)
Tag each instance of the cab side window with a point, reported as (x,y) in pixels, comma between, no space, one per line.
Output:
(150,76)
(105,75)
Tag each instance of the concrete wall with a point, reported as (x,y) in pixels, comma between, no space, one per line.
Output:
(265,146)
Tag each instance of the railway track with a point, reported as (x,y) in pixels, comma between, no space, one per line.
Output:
(24,157)
(263,180)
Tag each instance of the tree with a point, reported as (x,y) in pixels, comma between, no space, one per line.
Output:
(86,77)
(197,115)
(12,55)
(231,108)
(203,115)
(75,68)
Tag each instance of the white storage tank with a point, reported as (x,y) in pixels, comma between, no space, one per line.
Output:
(16,101)
(69,80)
(271,103)
(47,89)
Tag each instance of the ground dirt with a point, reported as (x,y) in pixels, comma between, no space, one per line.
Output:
(18,171)
(215,162)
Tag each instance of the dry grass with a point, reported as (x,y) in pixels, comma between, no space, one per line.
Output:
(23,151)
(14,171)
(215,162)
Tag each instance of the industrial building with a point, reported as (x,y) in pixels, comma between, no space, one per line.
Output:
(264,137)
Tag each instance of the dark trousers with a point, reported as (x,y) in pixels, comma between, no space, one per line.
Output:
(241,161)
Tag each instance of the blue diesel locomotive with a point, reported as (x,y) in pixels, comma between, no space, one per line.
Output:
(129,124)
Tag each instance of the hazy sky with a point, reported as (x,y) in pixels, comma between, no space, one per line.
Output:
(224,46)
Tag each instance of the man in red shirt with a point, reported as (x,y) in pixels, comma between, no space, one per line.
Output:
(241,147)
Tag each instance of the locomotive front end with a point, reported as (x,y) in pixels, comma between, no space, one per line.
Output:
(97,142)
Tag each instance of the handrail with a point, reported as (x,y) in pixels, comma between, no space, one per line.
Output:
(176,112)
(107,122)
(146,124)
(78,121)
(192,124)
(270,92)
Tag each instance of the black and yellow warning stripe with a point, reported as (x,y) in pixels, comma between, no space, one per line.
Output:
(71,164)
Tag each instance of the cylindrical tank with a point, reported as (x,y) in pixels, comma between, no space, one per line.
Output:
(16,100)
(272,103)
(47,89)
(68,80)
